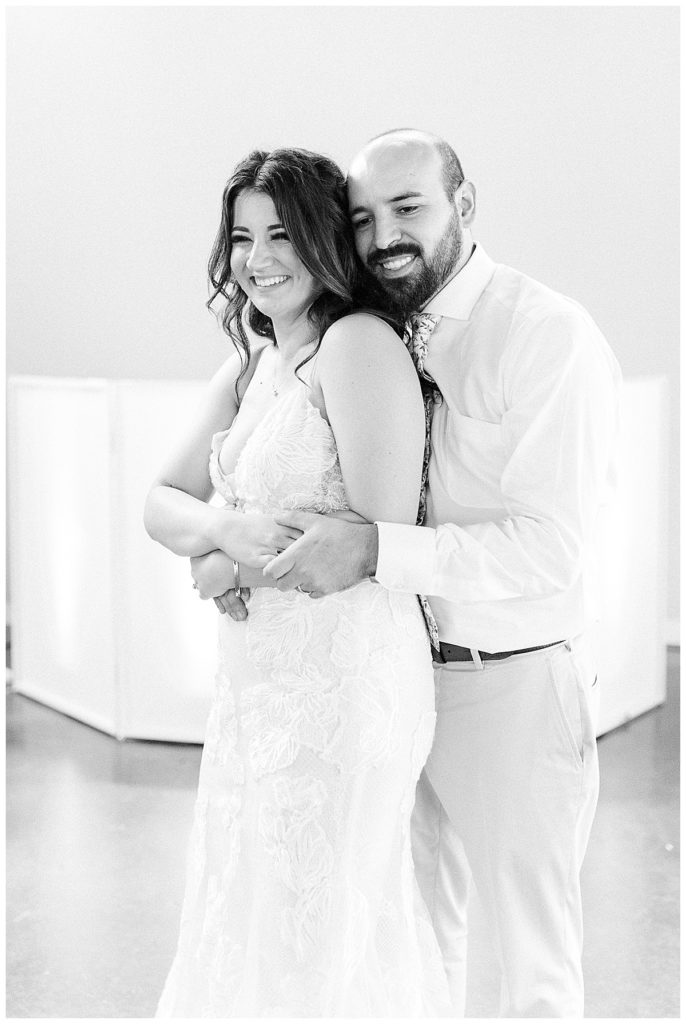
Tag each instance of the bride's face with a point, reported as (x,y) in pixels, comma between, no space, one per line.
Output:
(264,262)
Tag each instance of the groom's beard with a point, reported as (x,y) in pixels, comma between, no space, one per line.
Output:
(405,295)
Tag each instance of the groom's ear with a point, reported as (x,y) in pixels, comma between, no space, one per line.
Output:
(465,203)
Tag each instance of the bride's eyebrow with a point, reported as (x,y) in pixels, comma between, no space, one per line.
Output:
(270,227)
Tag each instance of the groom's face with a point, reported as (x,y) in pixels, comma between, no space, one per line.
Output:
(408,233)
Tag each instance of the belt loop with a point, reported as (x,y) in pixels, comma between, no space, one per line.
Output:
(476,657)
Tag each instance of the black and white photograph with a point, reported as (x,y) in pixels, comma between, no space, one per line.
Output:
(343,643)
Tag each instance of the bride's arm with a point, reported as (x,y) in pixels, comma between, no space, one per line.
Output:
(214,575)
(176,510)
(374,405)
(177,513)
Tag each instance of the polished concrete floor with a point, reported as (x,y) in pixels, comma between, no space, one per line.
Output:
(95,860)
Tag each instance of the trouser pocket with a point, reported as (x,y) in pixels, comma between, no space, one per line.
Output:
(570,703)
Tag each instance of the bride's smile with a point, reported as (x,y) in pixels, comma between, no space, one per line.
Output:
(265,264)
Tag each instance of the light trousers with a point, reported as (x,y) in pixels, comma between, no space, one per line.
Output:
(507,798)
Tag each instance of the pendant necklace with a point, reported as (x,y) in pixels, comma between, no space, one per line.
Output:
(276,388)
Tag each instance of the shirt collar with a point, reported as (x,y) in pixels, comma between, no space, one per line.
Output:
(459,296)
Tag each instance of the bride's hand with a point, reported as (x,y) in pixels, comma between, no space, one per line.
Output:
(254,539)
(213,574)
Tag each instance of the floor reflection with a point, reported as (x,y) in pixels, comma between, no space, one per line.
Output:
(96,846)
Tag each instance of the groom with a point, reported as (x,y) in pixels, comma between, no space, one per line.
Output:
(520,466)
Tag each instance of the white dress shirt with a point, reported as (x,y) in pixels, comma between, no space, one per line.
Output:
(521,465)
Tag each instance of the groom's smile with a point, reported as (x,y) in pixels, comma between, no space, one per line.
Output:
(408,232)
(396,263)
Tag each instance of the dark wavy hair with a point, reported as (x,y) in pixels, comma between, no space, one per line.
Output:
(309,194)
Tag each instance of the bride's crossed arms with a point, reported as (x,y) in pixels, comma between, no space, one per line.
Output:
(364,385)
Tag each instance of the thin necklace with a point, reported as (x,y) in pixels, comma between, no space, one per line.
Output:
(276,388)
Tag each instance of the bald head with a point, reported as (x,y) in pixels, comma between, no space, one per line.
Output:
(411,211)
(412,138)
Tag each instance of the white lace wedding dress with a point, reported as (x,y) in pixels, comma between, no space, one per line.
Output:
(300,898)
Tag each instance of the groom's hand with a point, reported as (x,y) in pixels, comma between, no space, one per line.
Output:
(331,555)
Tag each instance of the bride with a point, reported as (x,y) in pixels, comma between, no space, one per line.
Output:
(300,896)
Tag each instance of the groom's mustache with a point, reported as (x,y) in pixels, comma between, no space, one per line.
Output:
(379,255)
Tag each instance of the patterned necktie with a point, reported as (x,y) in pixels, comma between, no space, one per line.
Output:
(418,330)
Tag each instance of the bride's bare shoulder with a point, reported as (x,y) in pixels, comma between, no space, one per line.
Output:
(360,334)
(362,351)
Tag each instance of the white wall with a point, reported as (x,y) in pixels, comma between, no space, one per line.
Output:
(123,124)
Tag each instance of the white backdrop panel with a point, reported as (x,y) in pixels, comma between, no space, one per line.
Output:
(629,639)
(63,645)
(167,636)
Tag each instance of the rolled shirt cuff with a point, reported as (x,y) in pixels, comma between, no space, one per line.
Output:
(406,557)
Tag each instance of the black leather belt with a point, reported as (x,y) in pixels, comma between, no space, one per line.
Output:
(452,652)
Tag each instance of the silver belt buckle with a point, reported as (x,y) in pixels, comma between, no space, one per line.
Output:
(476,659)
(475,665)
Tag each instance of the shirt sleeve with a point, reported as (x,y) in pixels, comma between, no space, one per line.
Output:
(406,557)
(560,386)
